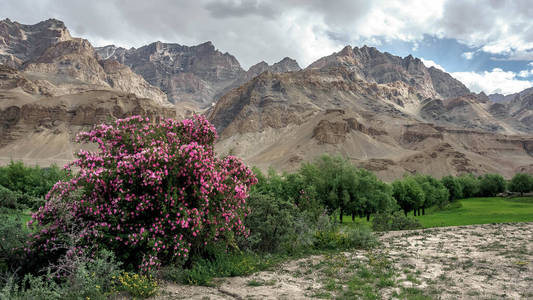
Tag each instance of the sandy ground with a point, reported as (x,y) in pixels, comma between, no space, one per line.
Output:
(492,261)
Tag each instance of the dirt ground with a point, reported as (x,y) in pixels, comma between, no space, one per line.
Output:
(492,261)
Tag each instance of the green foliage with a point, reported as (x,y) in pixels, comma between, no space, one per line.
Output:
(408,194)
(89,278)
(76,277)
(470,185)
(435,193)
(222,264)
(346,238)
(270,221)
(521,183)
(18,200)
(491,184)
(13,238)
(33,181)
(8,198)
(340,185)
(454,186)
(394,221)
(373,195)
(32,287)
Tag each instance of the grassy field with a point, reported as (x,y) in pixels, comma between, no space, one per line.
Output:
(481,211)
(475,211)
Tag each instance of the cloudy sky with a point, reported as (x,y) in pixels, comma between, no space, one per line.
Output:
(488,45)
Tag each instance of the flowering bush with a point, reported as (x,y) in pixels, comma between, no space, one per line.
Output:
(154,192)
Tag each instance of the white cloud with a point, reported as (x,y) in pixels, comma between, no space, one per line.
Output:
(468,55)
(255,30)
(495,81)
(429,63)
(525,73)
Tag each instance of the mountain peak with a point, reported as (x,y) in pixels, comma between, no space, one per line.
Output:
(20,43)
(346,51)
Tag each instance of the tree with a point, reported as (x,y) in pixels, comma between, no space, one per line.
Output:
(335,180)
(408,194)
(435,193)
(470,185)
(491,184)
(371,194)
(454,187)
(521,183)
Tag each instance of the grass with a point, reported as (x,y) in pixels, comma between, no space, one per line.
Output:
(481,211)
(472,211)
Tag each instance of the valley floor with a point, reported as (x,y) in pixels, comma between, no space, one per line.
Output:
(491,261)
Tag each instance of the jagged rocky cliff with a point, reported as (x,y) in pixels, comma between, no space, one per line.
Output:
(198,74)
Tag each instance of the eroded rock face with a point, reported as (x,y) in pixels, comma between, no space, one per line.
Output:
(447,86)
(51,116)
(374,66)
(122,78)
(20,43)
(46,52)
(336,130)
(74,59)
(194,73)
(198,74)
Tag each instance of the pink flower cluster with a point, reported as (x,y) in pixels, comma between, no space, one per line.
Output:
(152,193)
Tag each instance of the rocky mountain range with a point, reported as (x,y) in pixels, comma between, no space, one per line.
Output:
(198,74)
(53,85)
(386,113)
(47,52)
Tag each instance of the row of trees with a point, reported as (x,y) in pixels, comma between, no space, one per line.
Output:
(331,183)
(337,185)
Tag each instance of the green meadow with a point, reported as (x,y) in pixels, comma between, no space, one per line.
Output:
(474,211)
(481,211)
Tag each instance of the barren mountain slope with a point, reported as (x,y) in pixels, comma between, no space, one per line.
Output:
(284,119)
(39,128)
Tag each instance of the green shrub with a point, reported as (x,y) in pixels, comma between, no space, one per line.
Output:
(13,238)
(8,198)
(435,193)
(32,287)
(408,194)
(222,265)
(18,200)
(270,221)
(470,185)
(34,181)
(349,237)
(137,285)
(89,278)
(75,277)
(341,186)
(394,221)
(454,187)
